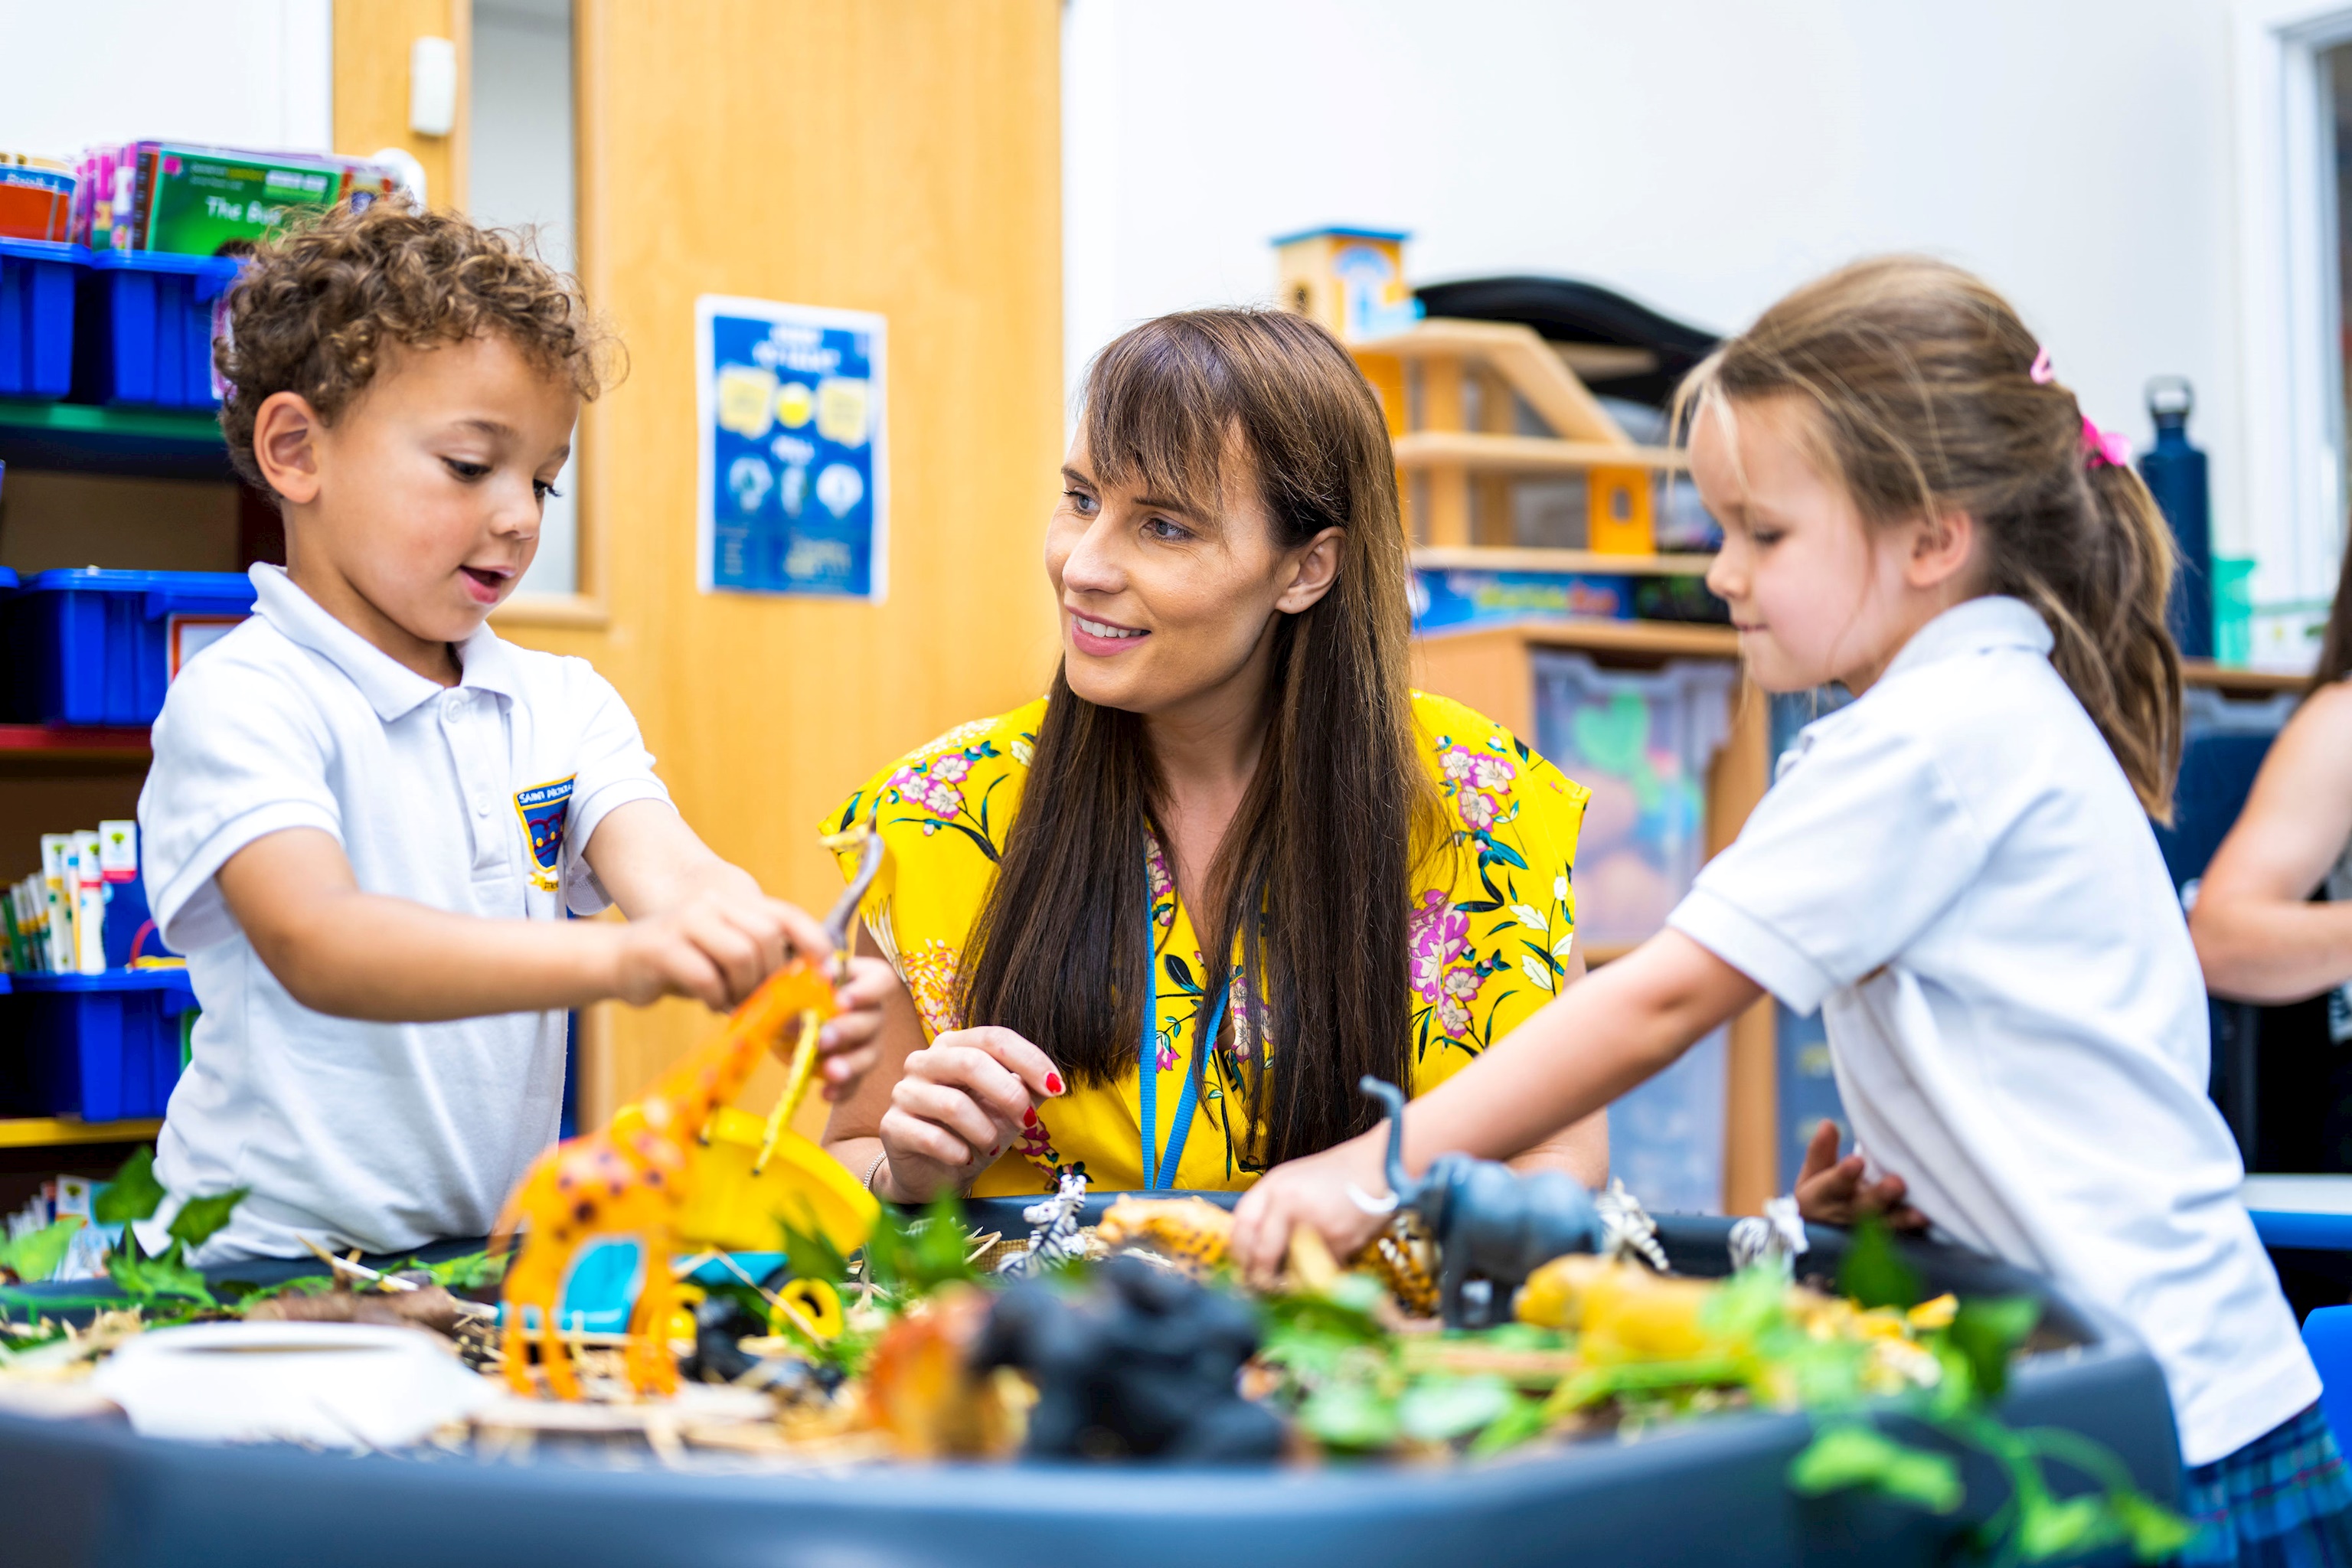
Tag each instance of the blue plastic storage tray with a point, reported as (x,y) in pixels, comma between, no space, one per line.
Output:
(95,647)
(147,333)
(102,1046)
(37,281)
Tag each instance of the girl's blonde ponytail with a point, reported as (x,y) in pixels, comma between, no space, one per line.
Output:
(1926,386)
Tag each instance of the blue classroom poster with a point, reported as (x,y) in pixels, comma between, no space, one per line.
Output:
(793,484)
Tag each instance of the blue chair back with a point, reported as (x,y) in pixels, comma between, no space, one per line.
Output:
(2327,1335)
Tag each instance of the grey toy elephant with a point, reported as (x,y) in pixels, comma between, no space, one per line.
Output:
(1494,1226)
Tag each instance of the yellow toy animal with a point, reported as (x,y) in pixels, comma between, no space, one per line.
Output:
(1195,1234)
(637,1177)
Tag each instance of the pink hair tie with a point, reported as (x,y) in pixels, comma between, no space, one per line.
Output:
(2109,446)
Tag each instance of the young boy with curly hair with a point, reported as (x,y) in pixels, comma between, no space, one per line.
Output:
(369,815)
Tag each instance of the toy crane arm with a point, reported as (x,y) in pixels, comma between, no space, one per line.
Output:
(1407,1190)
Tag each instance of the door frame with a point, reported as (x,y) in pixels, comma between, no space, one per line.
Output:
(2291,391)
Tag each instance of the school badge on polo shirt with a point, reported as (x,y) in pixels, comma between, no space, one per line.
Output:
(542,809)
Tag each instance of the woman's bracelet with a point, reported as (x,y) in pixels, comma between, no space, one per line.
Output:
(875,1170)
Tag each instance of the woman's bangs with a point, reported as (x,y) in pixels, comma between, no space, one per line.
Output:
(1156,420)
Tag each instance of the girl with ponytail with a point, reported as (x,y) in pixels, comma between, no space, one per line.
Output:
(1956,868)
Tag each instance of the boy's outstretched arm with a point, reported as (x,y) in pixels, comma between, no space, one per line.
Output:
(1627,1023)
(703,930)
(355,954)
(692,913)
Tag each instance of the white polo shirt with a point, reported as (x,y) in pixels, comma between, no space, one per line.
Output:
(477,799)
(1954,869)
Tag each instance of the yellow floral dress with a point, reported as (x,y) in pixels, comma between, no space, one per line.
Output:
(1490,930)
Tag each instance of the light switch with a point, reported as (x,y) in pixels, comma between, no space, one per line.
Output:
(431,86)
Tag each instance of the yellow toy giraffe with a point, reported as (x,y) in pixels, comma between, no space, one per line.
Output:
(633,1177)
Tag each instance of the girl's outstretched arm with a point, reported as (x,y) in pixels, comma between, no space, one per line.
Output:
(1626,1024)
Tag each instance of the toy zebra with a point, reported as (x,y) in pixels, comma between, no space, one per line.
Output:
(1055,1238)
(1626,1228)
(1776,1236)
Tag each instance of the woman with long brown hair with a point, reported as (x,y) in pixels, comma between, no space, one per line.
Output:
(1230,764)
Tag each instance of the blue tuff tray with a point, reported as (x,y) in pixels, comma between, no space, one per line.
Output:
(1712,1492)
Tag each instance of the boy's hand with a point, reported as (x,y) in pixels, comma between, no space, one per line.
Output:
(1312,1192)
(1831,1191)
(716,947)
(851,1042)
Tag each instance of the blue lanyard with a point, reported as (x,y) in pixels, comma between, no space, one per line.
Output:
(1156,1164)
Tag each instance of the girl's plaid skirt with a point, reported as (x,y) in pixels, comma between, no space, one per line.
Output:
(2283,1500)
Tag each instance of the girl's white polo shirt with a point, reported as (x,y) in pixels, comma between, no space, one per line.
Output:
(1954,869)
(477,799)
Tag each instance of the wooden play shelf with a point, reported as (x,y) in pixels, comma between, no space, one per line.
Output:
(51,1132)
(75,742)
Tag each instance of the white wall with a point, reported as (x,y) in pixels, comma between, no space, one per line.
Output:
(1702,155)
(246,73)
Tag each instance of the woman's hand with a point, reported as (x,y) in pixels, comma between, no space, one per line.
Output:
(1831,1191)
(1312,1192)
(960,1104)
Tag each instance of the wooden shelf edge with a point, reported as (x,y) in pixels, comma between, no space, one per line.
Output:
(74,741)
(2245,682)
(198,429)
(58,1132)
(1582,563)
(1480,453)
(1610,636)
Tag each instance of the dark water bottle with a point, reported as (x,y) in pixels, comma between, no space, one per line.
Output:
(2175,472)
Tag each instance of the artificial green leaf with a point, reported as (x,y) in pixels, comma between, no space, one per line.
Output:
(148,1277)
(1750,1303)
(2156,1531)
(1853,1454)
(466,1272)
(134,1193)
(199,1217)
(2047,1529)
(1874,1272)
(1440,1409)
(1520,1423)
(913,1258)
(36,1257)
(1349,1415)
(1988,1333)
(812,1256)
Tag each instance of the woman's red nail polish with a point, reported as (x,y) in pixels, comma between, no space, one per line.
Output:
(1029,1117)
(1052,1083)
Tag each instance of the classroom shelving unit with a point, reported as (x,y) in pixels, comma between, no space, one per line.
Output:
(59,775)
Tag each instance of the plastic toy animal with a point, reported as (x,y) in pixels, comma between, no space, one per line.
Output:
(1195,1234)
(1627,1231)
(1140,1363)
(635,1177)
(1192,1233)
(1056,1238)
(1492,1226)
(1775,1236)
